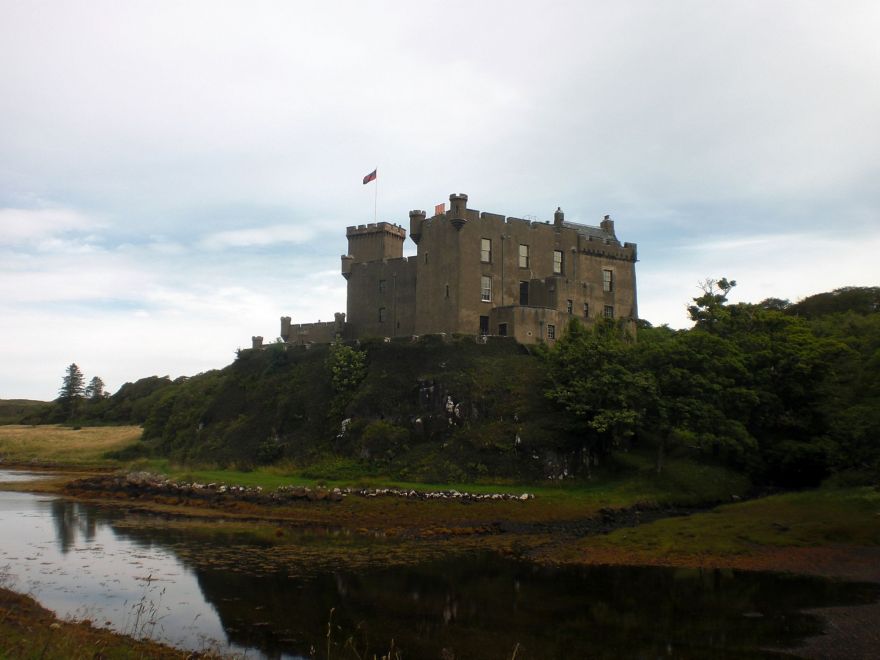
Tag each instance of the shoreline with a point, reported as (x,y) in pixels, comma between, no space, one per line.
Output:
(849,631)
(832,560)
(26,626)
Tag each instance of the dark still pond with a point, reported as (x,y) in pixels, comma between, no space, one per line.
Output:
(271,593)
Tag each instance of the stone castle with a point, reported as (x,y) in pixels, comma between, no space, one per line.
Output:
(477,273)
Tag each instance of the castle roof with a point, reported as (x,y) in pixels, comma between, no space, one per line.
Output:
(592,233)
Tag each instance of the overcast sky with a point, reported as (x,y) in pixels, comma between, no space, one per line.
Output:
(174,177)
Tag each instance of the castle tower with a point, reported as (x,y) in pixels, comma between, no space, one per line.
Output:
(375,241)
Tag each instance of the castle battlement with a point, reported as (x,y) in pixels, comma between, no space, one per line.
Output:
(376,228)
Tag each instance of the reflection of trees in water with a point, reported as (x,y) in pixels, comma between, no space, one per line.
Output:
(480,606)
(71,520)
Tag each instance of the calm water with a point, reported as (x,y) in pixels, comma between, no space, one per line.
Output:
(220,586)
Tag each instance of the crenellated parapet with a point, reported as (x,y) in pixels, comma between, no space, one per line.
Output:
(374,228)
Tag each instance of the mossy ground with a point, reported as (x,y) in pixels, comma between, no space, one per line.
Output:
(828,531)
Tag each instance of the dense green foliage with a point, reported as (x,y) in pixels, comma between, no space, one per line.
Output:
(427,410)
(784,393)
(760,387)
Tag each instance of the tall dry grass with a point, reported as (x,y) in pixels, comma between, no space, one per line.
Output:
(63,445)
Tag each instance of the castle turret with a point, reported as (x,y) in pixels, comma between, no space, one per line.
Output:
(374,242)
(416,219)
(558,217)
(458,210)
(347,261)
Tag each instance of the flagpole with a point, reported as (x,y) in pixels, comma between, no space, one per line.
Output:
(376,200)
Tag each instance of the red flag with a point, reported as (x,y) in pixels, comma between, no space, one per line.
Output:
(440,209)
(370,177)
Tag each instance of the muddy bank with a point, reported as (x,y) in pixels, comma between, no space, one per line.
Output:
(28,630)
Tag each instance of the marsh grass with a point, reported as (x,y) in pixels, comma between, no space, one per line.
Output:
(820,517)
(62,445)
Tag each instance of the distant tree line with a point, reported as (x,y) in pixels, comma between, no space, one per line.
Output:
(74,393)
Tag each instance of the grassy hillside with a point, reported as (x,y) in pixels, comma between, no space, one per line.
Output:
(394,414)
(12,411)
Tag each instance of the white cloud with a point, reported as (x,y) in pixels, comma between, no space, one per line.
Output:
(42,227)
(772,266)
(257,237)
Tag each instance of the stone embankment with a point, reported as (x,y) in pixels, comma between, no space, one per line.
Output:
(145,484)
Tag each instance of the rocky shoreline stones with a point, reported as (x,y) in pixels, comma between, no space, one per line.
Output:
(138,484)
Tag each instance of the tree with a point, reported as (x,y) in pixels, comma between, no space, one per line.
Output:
(347,368)
(708,310)
(72,390)
(95,389)
(701,397)
(592,379)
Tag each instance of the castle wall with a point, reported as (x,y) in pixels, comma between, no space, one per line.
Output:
(382,298)
(301,334)
(528,325)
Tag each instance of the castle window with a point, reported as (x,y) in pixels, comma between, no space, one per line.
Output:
(502,329)
(486,250)
(586,310)
(447,291)
(382,315)
(569,307)
(486,289)
(609,312)
(523,256)
(551,331)
(607,280)
(484,326)
(381,286)
(557,262)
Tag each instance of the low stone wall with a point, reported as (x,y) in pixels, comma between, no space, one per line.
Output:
(144,484)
